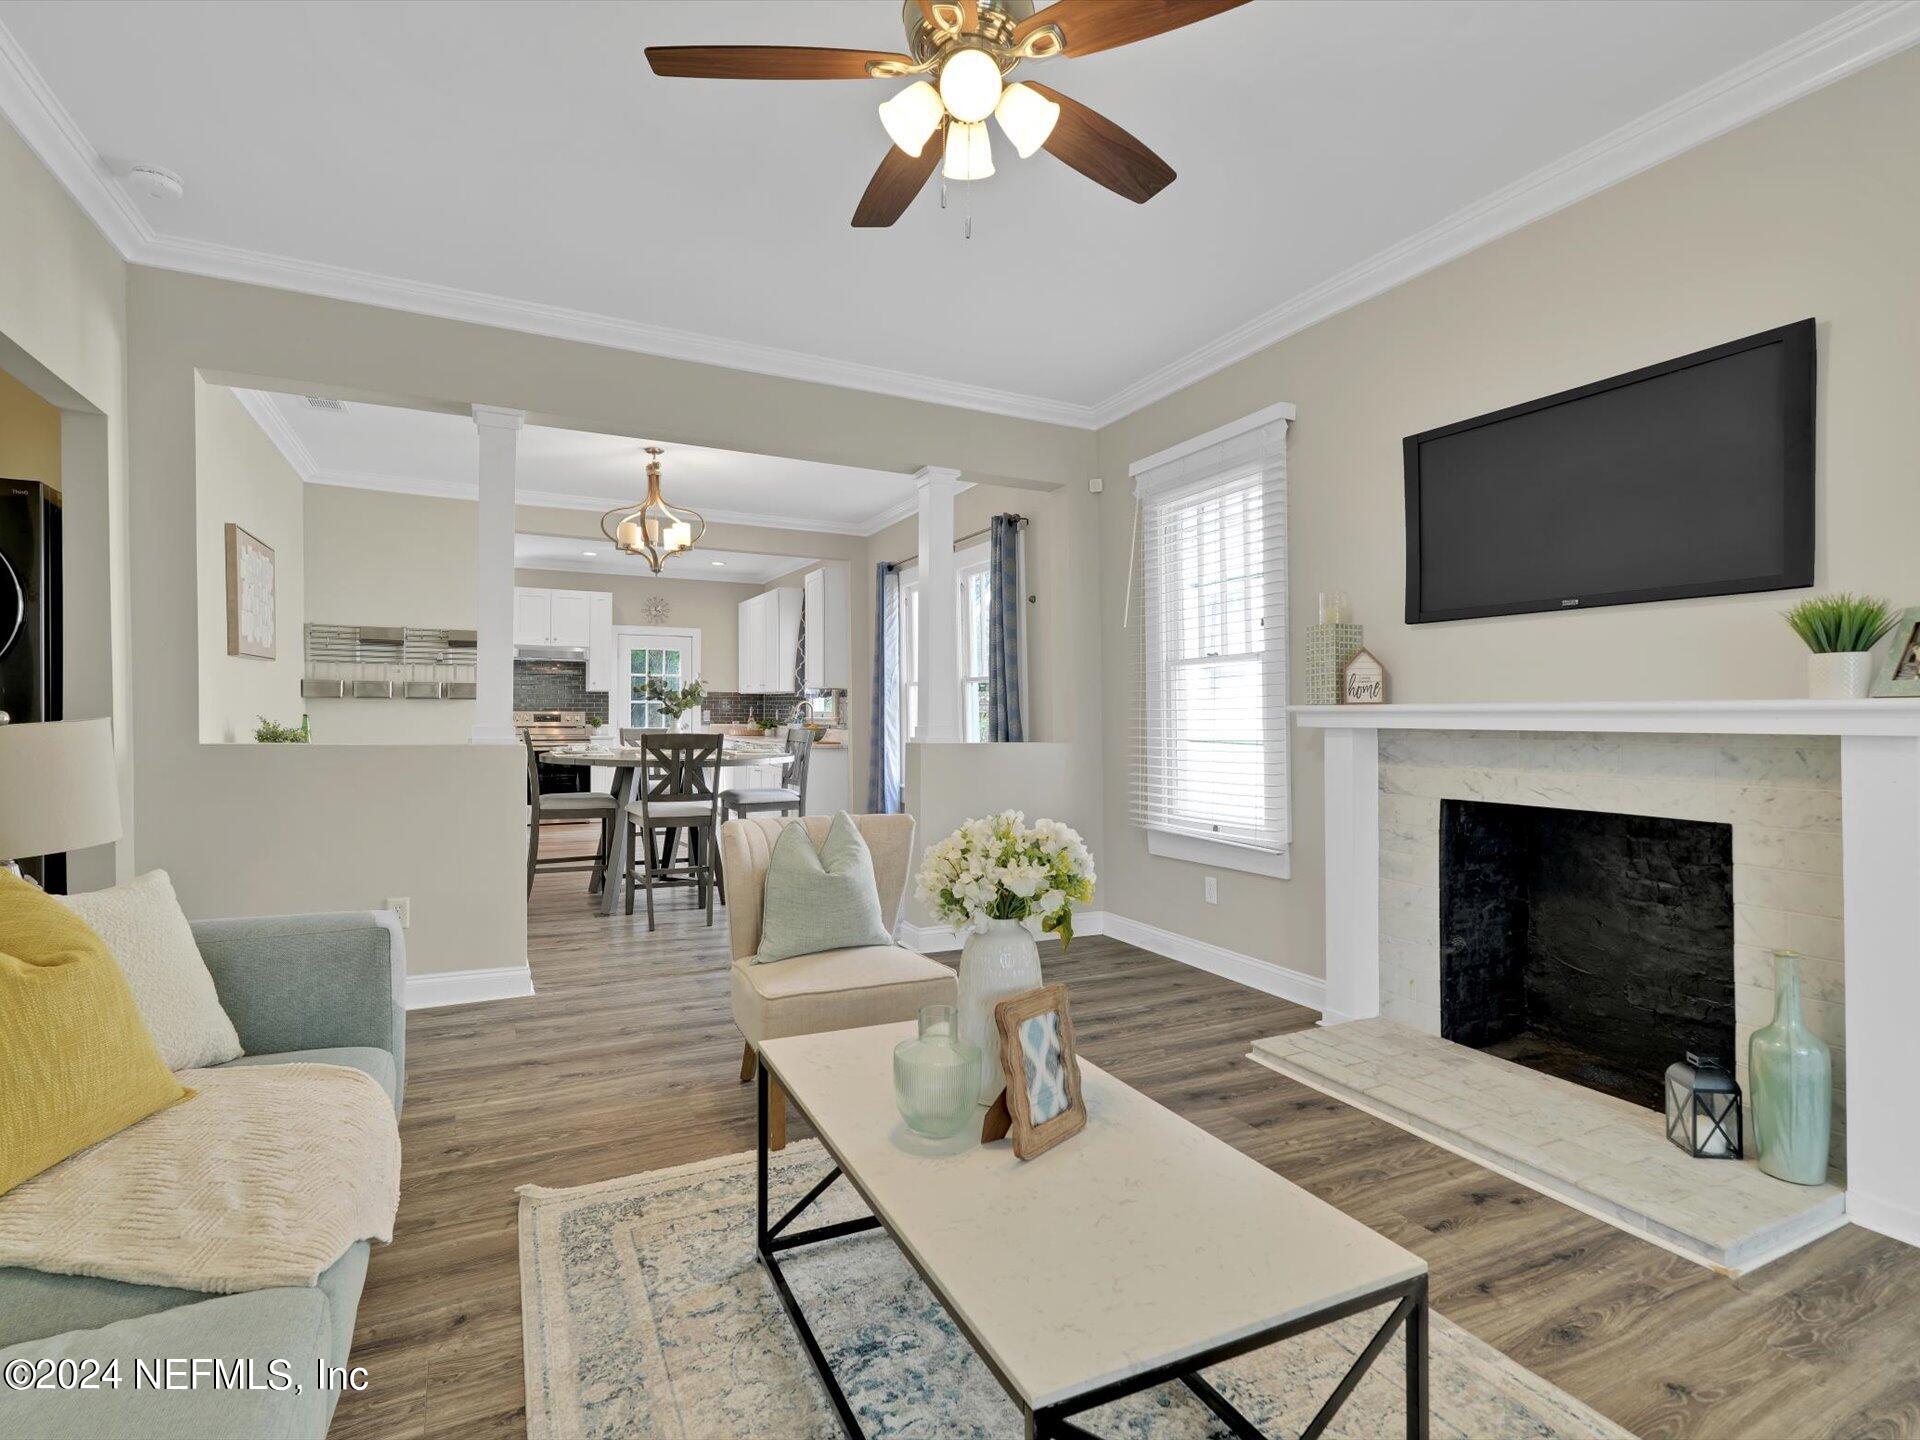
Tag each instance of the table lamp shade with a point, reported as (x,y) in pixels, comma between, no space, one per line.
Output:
(58,787)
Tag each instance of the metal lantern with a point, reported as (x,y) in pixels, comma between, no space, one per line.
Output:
(1703,1108)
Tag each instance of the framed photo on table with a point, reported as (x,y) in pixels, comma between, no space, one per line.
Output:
(1043,1099)
(1899,672)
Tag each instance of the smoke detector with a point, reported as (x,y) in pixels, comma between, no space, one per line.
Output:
(157,181)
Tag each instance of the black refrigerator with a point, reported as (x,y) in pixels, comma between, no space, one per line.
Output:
(30,660)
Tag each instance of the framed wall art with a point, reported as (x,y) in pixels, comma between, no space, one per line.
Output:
(1899,672)
(250,597)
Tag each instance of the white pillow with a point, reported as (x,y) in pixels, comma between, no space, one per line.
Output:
(147,931)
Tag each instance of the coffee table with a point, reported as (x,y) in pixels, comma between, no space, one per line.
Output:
(1139,1252)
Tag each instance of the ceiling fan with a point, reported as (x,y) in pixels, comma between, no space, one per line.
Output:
(969,47)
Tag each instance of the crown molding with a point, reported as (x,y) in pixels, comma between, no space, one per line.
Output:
(1830,51)
(285,438)
(1856,38)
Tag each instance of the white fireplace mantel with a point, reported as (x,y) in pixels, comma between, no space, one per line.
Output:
(1880,842)
(1652,717)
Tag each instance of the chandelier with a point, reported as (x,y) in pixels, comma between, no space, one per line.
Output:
(651,529)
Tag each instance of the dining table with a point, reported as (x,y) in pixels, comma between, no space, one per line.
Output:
(627,763)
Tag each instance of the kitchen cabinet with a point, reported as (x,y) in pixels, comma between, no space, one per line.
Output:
(555,619)
(829,629)
(769,639)
(600,661)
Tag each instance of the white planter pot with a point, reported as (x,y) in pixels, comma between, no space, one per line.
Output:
(1844,676)
(998,959)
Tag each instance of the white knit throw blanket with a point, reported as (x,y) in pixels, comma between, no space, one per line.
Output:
(265,1177)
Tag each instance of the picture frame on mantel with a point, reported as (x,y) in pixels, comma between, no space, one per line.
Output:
(1043,1102)
(250,595)
(1898,676)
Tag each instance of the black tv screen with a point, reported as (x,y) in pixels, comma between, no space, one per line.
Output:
(1693,477)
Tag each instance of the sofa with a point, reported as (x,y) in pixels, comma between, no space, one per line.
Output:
(323,989)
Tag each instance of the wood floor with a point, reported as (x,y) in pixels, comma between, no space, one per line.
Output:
(627,1060)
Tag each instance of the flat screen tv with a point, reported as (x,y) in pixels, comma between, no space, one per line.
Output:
(1693,477)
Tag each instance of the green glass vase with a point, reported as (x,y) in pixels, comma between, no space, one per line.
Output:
(1790,1071)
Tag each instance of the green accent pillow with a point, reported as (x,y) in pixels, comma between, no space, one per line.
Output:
(821,899)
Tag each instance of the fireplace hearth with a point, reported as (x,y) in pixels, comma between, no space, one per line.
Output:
(1592,946)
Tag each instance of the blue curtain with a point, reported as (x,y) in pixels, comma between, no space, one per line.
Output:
(885,792)
(1003,639)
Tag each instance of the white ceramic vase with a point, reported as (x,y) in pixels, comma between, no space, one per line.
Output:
(1846,675)
(998,959)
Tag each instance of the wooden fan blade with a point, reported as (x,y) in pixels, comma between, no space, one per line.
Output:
(1090,25)
(1102,151)
(900,177)
(766,62)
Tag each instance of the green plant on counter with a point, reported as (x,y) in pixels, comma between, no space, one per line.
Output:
(272,732)
(1840,624)
(676,700)
(766,727)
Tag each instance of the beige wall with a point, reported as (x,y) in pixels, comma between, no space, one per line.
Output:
(242,479)
(29,434)
(63,333)
(1810,211)
(711,607)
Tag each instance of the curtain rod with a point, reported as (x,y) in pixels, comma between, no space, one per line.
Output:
(1019,523)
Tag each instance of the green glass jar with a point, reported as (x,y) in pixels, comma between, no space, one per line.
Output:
(935,1074)
(1790,1072)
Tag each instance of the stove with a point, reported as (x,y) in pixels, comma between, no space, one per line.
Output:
(548,729)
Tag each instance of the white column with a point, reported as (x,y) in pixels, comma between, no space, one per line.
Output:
(493,575)
(938,641)
(1350,766)
(1880,838)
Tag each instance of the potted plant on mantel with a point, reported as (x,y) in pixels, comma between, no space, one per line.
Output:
(1840,631)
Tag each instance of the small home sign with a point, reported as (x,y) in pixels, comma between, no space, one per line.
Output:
(1364,681)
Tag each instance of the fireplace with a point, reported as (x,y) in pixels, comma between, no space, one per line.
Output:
(1593,946)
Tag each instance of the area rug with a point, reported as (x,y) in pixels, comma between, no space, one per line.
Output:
(646,1314)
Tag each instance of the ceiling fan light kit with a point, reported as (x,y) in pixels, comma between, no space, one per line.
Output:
(970,47)
(1027,117)
(653,530)
(912,116)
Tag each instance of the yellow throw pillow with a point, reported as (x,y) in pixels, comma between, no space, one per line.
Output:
(76,1061)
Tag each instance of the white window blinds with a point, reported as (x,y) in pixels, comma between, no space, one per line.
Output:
(1211,761)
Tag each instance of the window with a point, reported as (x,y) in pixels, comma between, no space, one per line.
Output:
(1211,778)
(973,612)
(976,611)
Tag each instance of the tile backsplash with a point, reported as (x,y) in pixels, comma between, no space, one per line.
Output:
(562,685)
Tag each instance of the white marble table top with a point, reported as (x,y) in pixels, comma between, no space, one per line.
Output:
(633,755)
(1138,1242)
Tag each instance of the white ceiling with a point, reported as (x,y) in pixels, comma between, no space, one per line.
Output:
(518,163)
(385,447)
(564,552)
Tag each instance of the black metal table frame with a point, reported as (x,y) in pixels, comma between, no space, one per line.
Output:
(1409,1300)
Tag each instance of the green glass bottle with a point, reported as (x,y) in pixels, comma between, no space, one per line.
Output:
(1790,1071)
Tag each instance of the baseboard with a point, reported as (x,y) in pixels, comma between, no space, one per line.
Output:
(1255,974)
(468,987)
(937,939)
(1884,1217)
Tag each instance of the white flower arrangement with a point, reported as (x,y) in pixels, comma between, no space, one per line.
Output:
(1001,868)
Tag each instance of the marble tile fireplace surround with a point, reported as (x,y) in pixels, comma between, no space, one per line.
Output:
(1821,803)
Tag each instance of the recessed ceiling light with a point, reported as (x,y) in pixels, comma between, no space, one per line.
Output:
(588,554)
(716,562)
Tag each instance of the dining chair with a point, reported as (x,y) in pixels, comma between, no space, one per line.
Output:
(678,791)
(787,798)
(555,809)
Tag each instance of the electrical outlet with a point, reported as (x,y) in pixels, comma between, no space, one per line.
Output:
(1213,890)
(403,908)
